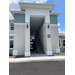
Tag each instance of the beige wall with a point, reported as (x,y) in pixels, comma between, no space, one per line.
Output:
(54,38)
(19,39)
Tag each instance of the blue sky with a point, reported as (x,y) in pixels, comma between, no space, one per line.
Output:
(59,7)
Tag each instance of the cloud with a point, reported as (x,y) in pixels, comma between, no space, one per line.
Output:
(59,30)
(35,1)
(58,24)
(63,32)
(14,4)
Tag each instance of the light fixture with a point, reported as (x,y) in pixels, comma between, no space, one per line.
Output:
(27,25)
(48,26)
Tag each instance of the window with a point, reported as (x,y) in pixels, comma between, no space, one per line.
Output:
(48,35)
(11,26)
(60,43)
(11,43)
(63,42)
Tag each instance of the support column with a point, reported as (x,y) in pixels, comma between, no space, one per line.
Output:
(27,39)
(48,36)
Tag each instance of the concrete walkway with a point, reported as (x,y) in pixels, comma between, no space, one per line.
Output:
(36,59)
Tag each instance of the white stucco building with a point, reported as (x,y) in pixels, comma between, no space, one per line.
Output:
(34,30)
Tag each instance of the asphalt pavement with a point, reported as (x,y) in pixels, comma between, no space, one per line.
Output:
(37,68)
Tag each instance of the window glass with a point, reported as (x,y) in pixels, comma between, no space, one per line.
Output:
(12,26)
(48,35)
(11,43)
(63,42)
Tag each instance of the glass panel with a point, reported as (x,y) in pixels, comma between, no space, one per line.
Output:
(48,35)
(11,42)
(12,28)
(12,24)
(11,46)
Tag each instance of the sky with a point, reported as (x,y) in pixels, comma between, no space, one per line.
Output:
(59,7)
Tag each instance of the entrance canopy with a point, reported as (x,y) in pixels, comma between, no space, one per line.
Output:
(36,5)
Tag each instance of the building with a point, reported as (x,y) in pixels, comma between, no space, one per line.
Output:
(62,42)
(34,30)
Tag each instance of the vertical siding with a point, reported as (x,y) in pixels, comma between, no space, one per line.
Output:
(19,39)
(54,38)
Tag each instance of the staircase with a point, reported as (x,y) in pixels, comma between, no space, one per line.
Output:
(39,49)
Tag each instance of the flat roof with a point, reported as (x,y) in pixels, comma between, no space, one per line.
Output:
(11,20)
(36,5)
(18,12)
(23,12)
(61,34)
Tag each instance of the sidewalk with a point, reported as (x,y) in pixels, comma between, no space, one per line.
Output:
(36,59)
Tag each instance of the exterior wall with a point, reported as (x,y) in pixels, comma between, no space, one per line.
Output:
(42,23)
(27,39)
(19,18)
(42,36)
(11,31)
(53,19)
(49,45)
(10,51)
(54,38)
(62,48)
(11,37)
(28,13)
(19,38)
(44,12)
(22,33)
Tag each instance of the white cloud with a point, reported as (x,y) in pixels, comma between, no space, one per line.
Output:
(59,30)
(63,32)
(14,4)
(36,1)
(58,24)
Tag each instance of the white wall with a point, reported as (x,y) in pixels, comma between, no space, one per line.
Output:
(28,13)
(54,38)
(27,39)
(19,38)
(44,12)
(42,36)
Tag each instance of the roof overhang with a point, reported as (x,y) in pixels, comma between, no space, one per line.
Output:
(11,34)
(17,12)
(11,20)
(62,34)
(36,5)
(53,13)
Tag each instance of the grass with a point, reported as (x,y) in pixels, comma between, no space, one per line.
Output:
(61,54)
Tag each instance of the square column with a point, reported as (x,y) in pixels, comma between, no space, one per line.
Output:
(27,39)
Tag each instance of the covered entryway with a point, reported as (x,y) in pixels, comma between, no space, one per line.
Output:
(36,23)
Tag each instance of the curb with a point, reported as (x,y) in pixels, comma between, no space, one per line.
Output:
(37,59)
